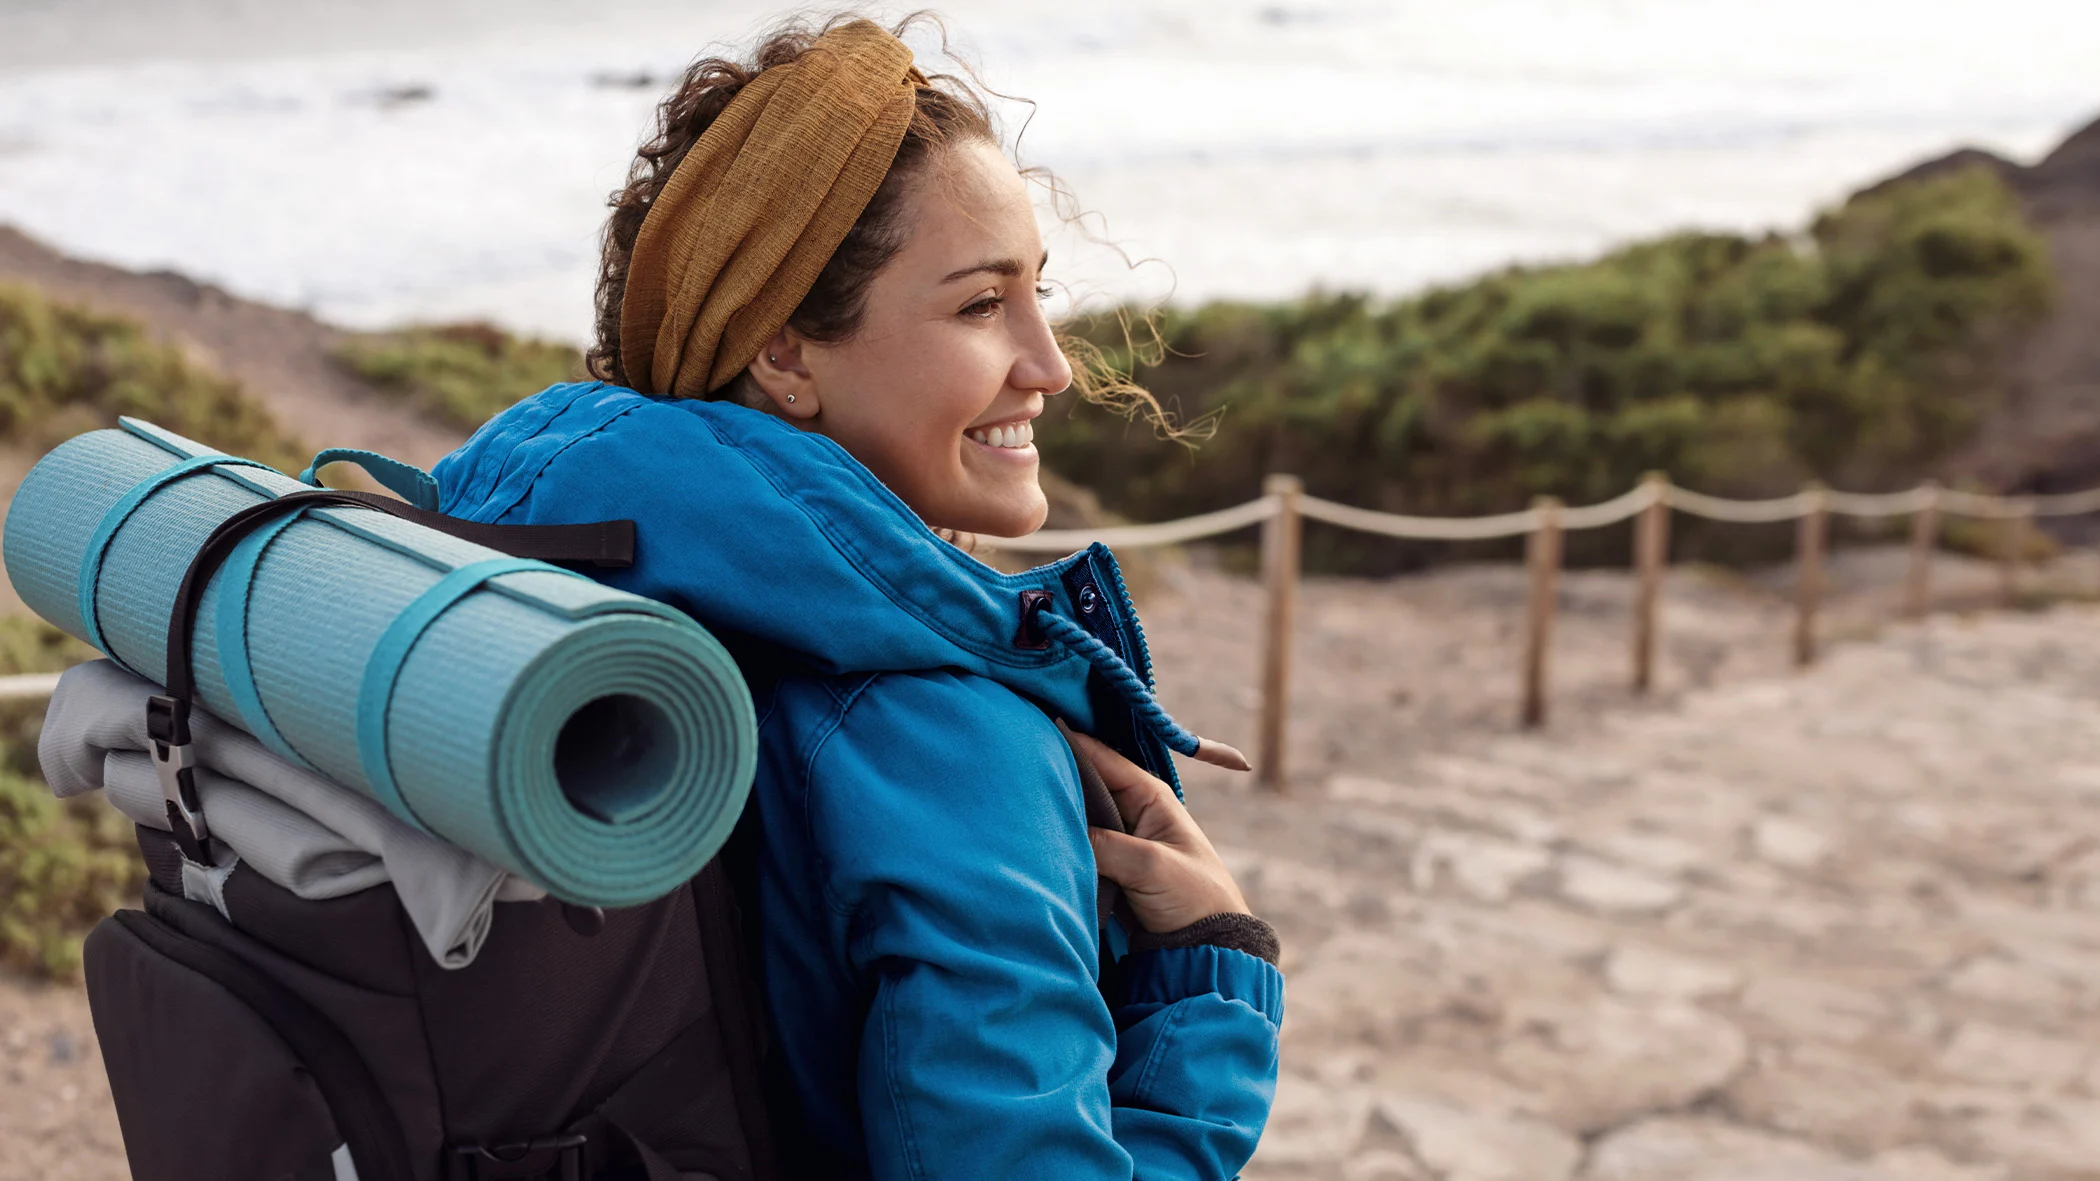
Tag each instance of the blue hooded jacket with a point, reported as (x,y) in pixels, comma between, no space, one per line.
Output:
(924,883)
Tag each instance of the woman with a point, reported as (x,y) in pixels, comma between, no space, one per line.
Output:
(820,340)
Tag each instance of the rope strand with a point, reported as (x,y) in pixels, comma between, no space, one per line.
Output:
(1120,675)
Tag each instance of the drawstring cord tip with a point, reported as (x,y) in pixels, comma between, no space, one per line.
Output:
(1217,754)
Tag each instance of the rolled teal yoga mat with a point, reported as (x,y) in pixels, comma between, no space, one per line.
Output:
(594,742)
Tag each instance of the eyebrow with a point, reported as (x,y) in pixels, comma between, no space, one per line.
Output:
(1009,267)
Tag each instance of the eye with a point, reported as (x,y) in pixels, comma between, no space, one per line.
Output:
(986,308)
(1042,293)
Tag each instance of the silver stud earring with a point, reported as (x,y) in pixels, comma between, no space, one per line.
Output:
(791,397)
(770,357)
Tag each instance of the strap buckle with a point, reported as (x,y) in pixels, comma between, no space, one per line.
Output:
(175,761)
(557,1158)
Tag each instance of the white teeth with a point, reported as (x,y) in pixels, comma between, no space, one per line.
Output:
(1010,437)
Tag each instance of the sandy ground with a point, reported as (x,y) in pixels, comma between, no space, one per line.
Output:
(1833,926)
(55,1116)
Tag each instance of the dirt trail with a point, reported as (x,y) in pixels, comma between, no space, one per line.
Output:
(279,355)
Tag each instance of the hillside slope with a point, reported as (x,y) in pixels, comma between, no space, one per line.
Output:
(280,356)
(2046,435)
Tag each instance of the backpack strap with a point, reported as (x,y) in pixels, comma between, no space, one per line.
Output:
(404,480)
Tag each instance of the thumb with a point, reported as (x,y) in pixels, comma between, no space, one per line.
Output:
(1126,860)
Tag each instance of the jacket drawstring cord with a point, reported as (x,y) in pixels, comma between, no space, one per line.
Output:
(1119,674)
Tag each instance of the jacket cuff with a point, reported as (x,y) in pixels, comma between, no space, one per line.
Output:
(1241,932)
(1172,974)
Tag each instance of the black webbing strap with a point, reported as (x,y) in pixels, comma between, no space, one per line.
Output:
(599,543)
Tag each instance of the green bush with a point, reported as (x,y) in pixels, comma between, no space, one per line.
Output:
(461,374)
(65,369)
(63,864)
(1859,353)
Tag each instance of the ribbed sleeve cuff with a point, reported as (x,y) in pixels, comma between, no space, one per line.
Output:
(1172,974)
(1241,932)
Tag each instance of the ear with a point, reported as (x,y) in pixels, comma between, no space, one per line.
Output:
(783,377)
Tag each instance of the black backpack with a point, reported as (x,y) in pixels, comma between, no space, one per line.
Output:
(318,1041)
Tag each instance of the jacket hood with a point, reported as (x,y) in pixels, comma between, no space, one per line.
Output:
(795,554)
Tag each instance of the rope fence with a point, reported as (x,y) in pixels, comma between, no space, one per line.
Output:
(1283,505)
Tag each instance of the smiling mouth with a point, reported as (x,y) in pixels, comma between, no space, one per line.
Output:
(1017,436)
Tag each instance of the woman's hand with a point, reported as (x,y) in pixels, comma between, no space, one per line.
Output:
(1165,864)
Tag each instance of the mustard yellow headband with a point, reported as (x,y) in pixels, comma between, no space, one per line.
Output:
(737,236)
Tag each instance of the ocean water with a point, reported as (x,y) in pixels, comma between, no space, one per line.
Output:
(389,161)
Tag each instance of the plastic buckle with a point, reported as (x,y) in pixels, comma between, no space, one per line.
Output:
(168,725)
(560,1158)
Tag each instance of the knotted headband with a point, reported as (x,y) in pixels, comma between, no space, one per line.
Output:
(738,235)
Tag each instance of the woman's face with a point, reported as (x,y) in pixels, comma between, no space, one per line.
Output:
(937,391)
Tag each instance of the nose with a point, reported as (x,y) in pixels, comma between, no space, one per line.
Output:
(1040,366)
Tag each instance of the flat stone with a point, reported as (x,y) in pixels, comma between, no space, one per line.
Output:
(1385,1165)
(1363,987)
(1600,1062)
(1311,1124)
(1661,852)
(1638,970)
(1674,1148)
(2001,980)
(2058,1138)
(1988,1053)
(1789,843)
(1484,867)
(1834,1094)
(1613,889)
(1470,1146)
(1916,1162)
(1816,1009)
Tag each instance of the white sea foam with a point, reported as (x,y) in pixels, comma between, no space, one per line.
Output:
(1255,149)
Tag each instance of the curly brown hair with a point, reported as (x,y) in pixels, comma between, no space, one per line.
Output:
(948,110)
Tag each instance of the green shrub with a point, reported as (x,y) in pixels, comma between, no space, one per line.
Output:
(1858,353)
(461,374)
(65,369)
(63,864)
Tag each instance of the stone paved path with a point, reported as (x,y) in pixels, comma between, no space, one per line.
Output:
(1841,926)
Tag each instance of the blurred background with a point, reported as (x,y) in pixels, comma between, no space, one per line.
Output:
(1831,924)
(390,161)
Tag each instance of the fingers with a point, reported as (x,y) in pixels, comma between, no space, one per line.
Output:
(1147,803)
(1168,888)
(1130,862)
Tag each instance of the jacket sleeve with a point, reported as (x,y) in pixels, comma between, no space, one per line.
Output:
(948,812)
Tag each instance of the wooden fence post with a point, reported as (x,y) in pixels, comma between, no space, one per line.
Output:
(1810,536)
(1280,562)
(1651,555)
(2012,544)
(1542,559)
(1924,538)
